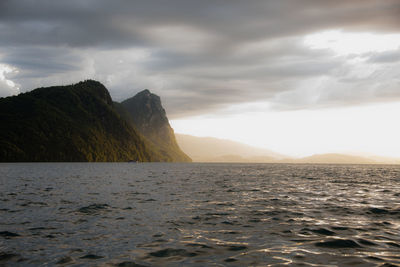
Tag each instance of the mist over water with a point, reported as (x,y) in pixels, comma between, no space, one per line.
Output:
(157,214)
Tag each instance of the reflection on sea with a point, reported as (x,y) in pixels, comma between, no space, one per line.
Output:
(199,214)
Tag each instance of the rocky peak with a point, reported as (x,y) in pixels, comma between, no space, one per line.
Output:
(147,112)
(149,117)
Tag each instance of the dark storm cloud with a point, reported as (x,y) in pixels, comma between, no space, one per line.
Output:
(121,22)
(42,59)
(198,55)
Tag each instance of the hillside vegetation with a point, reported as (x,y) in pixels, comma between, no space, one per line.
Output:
(77,122)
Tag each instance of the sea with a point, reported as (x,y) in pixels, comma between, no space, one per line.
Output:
(198,214)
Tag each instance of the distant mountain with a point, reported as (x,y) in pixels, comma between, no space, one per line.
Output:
(240,159)
(70,123)
(378,159)
(335,158)
(146,113)
(209,149)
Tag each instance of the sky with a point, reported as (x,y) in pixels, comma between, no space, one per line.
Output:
(296,76)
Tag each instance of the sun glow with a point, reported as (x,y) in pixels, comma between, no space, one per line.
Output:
(363,129)
(345,43)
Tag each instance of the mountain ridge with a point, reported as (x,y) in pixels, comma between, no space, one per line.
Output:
(77,122)
(228,151)
(210,149)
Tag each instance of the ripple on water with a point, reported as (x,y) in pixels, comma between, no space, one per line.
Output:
(169,252)
(130,264)
(93,209)
(91,257)
(338,243)
(8,234)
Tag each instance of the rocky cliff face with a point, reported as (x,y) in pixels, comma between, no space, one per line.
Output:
(70,123)
(149,117)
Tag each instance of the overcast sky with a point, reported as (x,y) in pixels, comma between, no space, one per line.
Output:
(205,57)
(200,55)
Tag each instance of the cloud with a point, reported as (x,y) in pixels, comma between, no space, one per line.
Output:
(101,22)
(200,56)
(392,56)
(7,87)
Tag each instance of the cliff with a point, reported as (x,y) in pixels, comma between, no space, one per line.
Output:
(146,113)
(77,122)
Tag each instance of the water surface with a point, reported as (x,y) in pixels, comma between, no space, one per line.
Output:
(155,214)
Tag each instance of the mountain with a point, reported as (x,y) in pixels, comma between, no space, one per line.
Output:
(209,149)
(335,158)
(69,123)
(146,113)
